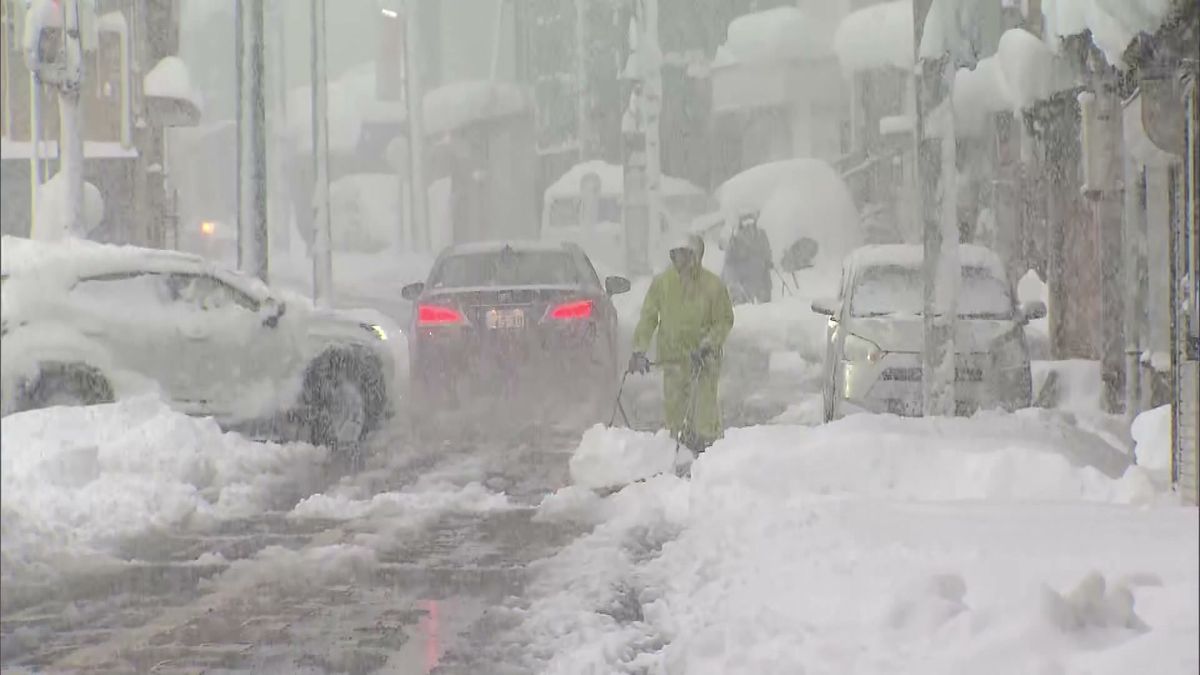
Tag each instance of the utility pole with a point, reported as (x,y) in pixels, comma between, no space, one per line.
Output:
(583,125)
(322,251)
(1102,131)
(253,242)
(415,95)
(650,56)
(937,212)
(70,129)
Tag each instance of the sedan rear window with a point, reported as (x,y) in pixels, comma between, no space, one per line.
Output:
(894,290)
(507,268)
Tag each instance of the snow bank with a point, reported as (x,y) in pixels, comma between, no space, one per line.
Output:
(876,36)
(776,35)
(169,78)
(1114,23)
(77,482)
(876,545)
(608,457)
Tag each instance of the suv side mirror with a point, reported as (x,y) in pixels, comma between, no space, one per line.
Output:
(825,307)
(616,285)
(1034,309)
(275,311)
(412,291)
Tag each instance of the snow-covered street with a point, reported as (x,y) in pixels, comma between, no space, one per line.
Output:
(137,539)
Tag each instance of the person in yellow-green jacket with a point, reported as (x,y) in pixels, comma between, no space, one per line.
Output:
(690,310)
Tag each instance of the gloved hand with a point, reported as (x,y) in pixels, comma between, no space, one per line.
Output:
(700,356)
(638,363)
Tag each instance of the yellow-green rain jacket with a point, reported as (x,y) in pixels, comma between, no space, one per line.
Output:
(688,311)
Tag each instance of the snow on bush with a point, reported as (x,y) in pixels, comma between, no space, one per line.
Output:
(609,457)
(875,545)
(78,482)
(1113,23)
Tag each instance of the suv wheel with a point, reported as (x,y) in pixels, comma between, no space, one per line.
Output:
(65,384)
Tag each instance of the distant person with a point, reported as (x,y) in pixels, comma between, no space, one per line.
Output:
(689,309)
(748,262)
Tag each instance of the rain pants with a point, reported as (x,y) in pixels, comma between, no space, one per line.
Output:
(687,310)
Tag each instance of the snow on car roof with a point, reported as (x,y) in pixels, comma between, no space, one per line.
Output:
(913,255)
(477,247)
(612,182)
(75,258)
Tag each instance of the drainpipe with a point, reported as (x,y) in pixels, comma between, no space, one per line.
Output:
(35,153)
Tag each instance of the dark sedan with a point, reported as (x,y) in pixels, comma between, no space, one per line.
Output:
(514,324)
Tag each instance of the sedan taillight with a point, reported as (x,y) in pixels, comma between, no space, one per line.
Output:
(438,315)
(578,309)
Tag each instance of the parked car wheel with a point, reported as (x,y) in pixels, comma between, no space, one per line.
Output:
(343,399)
(65,384)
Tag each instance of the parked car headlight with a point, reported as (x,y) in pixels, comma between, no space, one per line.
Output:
(859,349)
(376,330)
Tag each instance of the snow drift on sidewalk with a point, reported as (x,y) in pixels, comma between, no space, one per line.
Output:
(997,544)
(77,482)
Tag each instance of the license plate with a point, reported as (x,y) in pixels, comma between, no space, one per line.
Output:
(505,319)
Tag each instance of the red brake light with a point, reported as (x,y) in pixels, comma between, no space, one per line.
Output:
(437,315)
(579,309)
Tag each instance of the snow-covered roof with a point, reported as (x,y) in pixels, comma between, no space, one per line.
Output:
(750,189)
(612,182)
(773,36)
(1023,71)
(1113,23)
(460,103)
(876,36)
(170,79)
(913,256)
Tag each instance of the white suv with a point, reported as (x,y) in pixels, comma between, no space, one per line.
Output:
(87,323)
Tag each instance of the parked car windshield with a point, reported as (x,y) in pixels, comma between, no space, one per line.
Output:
(894,290)
(507,268)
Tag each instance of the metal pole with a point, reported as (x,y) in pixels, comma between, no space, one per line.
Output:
(70,130)
(497,33)
(322,252)
(937,214)
(252,145)
(422,237)
(35,156)
(583,127)
(651,59)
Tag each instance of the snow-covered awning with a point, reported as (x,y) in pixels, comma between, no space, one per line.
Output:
(461,103)
(1023,71)
(1113,23)
(876,37)
(774,36)
(170,98)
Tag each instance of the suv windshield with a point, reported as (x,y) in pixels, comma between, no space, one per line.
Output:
(894,290)
(507,268)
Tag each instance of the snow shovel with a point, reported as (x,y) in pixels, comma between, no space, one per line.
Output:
(618,406)
(783,280)
(689,413)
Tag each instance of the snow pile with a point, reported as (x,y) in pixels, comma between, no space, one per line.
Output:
(1152,434)
(417,504)
(77,482)
(773,36)
(608,457)
(52,210)
(285,570)
(1022,72)
(797,198)
(876,36)
(1114,23)
(169,78)
(876,545)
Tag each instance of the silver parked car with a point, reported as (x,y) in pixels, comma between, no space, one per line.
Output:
(875,335)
